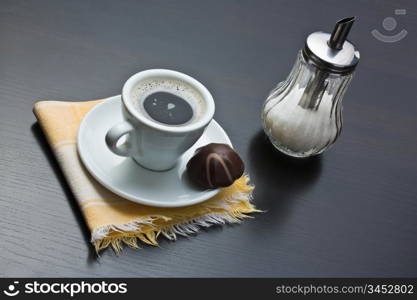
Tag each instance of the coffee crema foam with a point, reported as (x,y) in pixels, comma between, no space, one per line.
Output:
(178,88)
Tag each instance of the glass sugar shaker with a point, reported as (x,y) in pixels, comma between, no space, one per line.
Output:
(302,116)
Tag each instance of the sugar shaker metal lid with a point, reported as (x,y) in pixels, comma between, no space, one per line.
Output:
(332,52)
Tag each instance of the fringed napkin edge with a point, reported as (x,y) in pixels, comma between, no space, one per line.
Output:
(134,231)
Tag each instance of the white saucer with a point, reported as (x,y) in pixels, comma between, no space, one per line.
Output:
(125,177)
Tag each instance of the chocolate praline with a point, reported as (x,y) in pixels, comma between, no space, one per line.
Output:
(214,166)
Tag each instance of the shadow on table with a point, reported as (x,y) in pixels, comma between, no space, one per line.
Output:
(279,178)
(40,138)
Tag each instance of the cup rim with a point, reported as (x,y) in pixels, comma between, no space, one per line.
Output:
(207,97)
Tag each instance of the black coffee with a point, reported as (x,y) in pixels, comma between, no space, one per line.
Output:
(168,108)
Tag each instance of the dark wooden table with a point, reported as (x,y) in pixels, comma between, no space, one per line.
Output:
(350,212)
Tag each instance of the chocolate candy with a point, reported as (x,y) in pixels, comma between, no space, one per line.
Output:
(215,165)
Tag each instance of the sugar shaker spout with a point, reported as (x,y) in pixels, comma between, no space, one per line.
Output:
(340,33)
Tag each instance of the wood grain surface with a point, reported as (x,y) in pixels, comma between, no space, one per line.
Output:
(349,212)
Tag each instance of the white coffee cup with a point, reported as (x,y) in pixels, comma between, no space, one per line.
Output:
(154,145)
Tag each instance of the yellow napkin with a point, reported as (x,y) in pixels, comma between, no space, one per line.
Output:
(113,220)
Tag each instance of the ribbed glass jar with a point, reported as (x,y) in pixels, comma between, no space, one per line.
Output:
(302,116)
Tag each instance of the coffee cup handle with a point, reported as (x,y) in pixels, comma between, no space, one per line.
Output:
(115,133)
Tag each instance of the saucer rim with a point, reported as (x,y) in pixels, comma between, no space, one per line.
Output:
(144,201)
